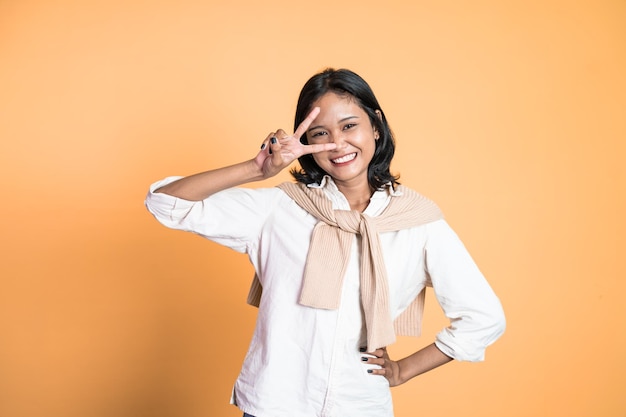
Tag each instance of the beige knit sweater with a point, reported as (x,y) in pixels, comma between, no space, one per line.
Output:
(329,251)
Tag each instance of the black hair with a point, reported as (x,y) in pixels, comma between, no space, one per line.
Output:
(346,83)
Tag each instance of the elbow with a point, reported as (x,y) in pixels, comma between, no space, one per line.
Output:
(494,326)
(498,325)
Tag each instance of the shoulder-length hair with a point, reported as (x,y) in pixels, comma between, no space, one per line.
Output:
(348,83)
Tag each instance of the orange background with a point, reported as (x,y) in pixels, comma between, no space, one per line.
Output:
(510,114)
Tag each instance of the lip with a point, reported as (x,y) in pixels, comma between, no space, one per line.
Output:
(344,159)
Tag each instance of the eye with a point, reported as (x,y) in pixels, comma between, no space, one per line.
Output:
(318,133)
(349,126)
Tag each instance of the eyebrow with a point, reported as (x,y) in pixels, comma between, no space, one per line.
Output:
(340,121)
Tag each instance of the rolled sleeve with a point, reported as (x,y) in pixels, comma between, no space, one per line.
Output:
(233,217)
(475,312)
(168,210)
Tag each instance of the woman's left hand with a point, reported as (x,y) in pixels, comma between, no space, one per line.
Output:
(419,362)
(390,369)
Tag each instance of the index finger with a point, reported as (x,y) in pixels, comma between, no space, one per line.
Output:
(302,127)
(318,147)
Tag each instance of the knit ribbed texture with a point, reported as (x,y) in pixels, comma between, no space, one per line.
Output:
(329,254)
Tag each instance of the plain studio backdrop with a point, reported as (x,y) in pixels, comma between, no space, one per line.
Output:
(511,115)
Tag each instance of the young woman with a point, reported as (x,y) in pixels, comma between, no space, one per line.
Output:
(342,258)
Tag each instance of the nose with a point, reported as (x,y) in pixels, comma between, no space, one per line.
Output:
(338,139)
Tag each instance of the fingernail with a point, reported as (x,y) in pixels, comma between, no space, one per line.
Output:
(270,151)
(364,359)
(263,146)
(362,349)
(369,371)
(273,139)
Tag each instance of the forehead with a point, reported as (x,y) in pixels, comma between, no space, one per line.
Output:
(337,105)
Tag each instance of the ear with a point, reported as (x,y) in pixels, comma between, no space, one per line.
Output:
(380,116)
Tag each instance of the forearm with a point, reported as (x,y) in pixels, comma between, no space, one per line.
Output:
(278,151)
(420,362)
(200,186)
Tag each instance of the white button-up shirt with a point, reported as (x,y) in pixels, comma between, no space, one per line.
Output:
(303,361)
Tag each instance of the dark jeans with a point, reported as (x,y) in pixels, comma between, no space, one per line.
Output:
(247,415)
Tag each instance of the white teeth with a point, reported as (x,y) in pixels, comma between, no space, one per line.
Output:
(345,158)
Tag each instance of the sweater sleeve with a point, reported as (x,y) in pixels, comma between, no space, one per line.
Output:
(233,217)
(475,312)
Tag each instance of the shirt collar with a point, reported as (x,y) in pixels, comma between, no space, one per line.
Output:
(378,202)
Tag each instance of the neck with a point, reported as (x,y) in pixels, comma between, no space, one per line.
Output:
(357,196)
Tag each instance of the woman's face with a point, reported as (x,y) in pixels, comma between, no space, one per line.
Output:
(343,122)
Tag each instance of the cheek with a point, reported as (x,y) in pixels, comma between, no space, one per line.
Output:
(317,158)
(370,142)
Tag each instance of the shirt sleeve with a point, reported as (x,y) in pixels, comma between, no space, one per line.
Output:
(475,312)
(233,217)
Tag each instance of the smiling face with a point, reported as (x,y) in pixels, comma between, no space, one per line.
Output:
(342,121)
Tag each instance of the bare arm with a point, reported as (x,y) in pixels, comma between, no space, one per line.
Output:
(199,186)
(278,151)
(399,372)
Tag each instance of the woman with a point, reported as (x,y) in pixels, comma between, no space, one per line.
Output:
(342,258)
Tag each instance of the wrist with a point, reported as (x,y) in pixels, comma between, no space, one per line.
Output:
(254,172)
(402,372)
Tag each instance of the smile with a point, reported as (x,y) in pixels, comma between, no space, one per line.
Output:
(344,158)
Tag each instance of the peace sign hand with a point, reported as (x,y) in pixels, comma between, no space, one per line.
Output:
(279,150)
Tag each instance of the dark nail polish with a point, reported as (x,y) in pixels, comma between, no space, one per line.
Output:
(270,151)
(364,359)
(362,349)
(369,371)
(263,146)
(273,139)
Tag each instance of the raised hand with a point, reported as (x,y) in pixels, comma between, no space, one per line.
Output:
(279,149)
